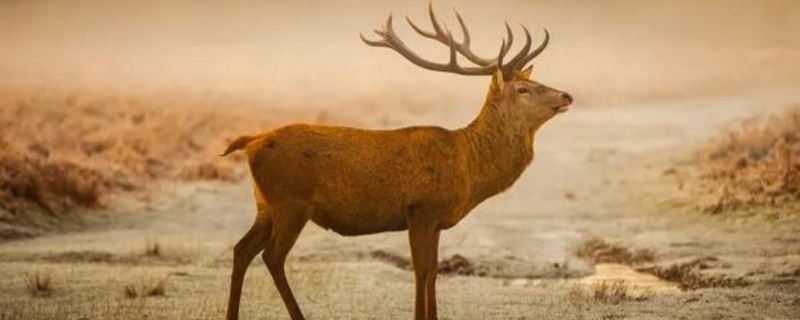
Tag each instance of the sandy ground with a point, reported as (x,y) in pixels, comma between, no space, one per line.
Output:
(598,172)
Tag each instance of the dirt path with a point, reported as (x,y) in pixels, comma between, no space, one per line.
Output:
(598,172)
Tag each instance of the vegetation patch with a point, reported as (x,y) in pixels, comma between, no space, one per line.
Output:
(754,165)
(61,151)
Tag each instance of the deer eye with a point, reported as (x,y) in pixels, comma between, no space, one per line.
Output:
(523,90)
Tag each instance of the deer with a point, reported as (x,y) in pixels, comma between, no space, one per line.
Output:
(423,179)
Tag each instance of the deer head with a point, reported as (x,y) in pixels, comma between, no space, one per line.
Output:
(525,101)
(511,92)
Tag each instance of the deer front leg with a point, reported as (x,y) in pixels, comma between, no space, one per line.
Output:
(424,242)
(430,279)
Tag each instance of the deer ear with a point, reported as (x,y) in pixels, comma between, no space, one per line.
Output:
(497,82)
(524,74)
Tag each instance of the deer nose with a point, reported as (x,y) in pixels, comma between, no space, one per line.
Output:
(567,96)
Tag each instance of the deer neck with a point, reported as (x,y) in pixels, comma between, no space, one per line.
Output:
(498,151)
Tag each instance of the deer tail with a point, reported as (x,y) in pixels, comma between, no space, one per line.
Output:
(237,144)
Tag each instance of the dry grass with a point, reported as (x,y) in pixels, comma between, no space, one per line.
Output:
(604,292)
(131,292)
(157,289)
(152,249)
(612,291)
(597,250)
(755,165)
(39,285)
(64,150)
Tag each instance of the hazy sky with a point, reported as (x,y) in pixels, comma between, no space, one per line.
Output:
(600,50)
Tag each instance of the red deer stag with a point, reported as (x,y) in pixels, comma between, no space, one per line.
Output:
(421,179)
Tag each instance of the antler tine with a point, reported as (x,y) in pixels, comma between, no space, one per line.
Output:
(507,45)
(373,43)
(536,52)
(436,27)
(388,28)
(464,30)
(438,32)
(503,51)
(419,30)
(521,54)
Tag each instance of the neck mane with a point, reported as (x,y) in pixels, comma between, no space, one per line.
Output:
(498,151)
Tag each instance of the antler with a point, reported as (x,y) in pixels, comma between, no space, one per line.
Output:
(390,40)
(441,34)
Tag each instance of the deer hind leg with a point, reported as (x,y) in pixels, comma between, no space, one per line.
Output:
(243,253)
(287,226)
(424,242)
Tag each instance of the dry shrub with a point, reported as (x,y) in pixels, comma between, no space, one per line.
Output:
(755,165)
(52,185)
(62,150)
(39,285)
(159,289)
(152,249)
(598,250)
(131,292)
